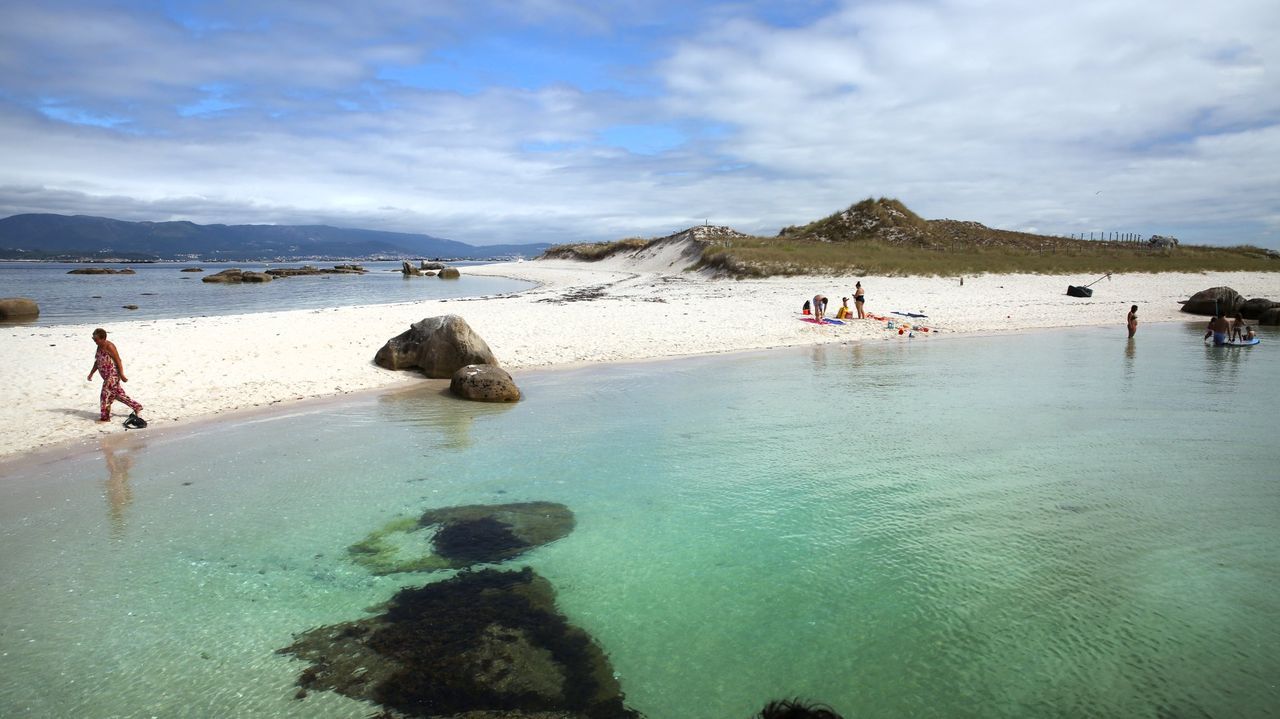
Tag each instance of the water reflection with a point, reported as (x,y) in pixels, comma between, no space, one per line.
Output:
(1130,352)
(431,406)
(118,452)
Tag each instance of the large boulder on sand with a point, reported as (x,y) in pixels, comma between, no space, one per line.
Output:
(439,346)
(18,308)
(1215,300)
(450,273)
(1253,309)
(484,383)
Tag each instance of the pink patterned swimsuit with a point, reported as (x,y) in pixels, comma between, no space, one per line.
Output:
(111,389)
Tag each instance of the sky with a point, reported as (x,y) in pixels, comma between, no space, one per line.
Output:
(564,121)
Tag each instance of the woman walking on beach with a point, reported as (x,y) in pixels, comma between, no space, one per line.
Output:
(106,362)
(1132,320)
(858,299)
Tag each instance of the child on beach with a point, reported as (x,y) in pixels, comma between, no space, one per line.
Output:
(844,313)
(106,362)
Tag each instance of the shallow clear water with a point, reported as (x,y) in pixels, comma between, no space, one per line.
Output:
(163,291)
(1056,524)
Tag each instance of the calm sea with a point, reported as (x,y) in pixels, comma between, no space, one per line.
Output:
(163,290)
(1052,524)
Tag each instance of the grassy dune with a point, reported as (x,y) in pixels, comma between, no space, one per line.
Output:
(883,237)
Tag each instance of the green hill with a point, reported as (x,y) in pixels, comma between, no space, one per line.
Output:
(884,237)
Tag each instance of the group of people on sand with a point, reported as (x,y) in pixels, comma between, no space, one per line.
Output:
(1223,330)
(818,306)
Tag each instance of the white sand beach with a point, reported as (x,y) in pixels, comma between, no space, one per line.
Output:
(186,370)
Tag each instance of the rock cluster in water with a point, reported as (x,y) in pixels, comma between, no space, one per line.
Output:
(1226,301)
(429,269)
(236,276)
(482,644)
(308,270)
(464,536)
(101,271)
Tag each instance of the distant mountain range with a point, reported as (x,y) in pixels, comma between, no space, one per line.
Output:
(80,237)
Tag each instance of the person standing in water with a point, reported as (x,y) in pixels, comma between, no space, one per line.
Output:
(1132,320)
(858,299)
(1219,329)
(106,362)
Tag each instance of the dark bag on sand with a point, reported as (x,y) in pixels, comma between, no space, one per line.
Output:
(134,422)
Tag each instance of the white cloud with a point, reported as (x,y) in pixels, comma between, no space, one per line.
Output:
(1144,117)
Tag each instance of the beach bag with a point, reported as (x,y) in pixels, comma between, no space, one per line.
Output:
(134,422)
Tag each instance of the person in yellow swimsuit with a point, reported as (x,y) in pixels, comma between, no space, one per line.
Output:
(844,313)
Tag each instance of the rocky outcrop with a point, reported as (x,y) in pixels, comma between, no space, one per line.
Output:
(1214,300)
(438,346)
(450,273)
(480,644)
(225,276)
(1253,309)
(101,271)
(432,265)
(484,383)
(303,271)
(408,270)
(236,276)
(192,269)
(18,308)
(1270,317)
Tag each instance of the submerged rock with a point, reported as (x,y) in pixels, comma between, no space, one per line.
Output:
(450,273)
(464,535)
(489,642)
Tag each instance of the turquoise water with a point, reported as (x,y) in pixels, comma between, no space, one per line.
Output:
(1055,524)
(163,291)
